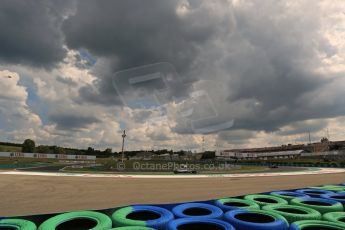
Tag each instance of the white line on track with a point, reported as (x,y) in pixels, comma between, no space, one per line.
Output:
(98,175)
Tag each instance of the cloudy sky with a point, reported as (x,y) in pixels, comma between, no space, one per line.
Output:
(238,72)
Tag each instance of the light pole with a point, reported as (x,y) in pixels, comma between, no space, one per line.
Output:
(123,143)
(203,144)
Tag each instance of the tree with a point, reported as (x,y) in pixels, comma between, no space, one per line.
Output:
(90,151)
(208,155)
(324,140)
(58,150)
(28,146)
(108,151)
(42,149)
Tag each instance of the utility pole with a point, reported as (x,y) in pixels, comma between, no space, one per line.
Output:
(123,144)
(309,138)
(328,134)
(203,144)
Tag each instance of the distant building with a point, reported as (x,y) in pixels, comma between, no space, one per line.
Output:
(227,154)
(283,151)
(142,156)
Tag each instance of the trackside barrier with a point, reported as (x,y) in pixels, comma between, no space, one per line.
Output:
(296,209)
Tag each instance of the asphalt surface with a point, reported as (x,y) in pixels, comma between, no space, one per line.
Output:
(27,195)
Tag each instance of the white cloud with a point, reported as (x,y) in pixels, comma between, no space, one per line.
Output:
(243,65)
(15,112)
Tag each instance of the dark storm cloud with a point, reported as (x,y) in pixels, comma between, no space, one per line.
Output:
(265,54)
(158,136)
(268,63)
(30,32)
(268,68)
(92,94)
(304,127)
(135,33)
(236,136)
(72,121)
(141,116)
(275,66)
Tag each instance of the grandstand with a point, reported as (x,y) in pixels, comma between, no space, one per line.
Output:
(322,148)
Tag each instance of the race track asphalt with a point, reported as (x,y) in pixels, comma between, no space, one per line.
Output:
(27,195)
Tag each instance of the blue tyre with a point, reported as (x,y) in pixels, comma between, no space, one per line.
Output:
(332,188)
(288,195)
(316,193)
(315,225)
(142,215)
(199,210)
(256,220)
(195,223)
(228,204)
(340,197)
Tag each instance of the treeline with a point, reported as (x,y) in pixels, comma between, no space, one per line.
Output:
(11,144)
(29,146)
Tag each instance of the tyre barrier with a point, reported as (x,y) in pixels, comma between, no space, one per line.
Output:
(315,225)
(200,210)
(78,220)
(315,193)
(256,220)
(17,224)
(142,215)
(331,188)
(263,200)
(277,207)
(288,195)
(340,197)
(132,228)
(195,223)
(293,213)
(228,204)
(319,204)
(338,217)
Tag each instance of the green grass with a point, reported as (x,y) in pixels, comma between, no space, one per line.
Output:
(18,160)
(7,148)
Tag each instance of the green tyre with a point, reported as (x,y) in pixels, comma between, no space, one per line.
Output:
(293,213)
(263,200)
(288,195)
(86,219)
(321,205)
(17,224)
(337,217)
(332,188)
(142,215)
(228,204)
(316,225)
